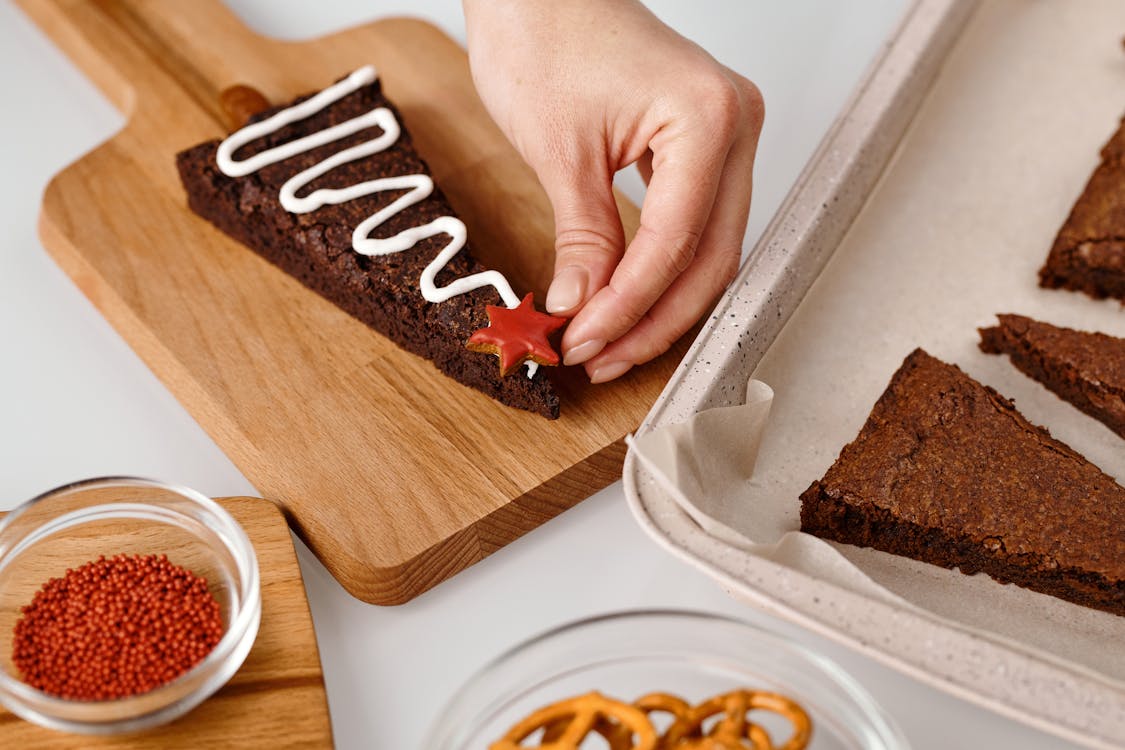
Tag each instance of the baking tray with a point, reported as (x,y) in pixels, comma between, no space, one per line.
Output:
(927,209)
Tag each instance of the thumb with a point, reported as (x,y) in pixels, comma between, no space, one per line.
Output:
(589,240)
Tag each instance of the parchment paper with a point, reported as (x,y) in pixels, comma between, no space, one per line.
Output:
(954,233)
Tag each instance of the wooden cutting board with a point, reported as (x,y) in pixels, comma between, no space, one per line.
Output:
(395,476)
(275,700)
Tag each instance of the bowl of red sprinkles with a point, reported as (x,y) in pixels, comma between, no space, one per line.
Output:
(124,603)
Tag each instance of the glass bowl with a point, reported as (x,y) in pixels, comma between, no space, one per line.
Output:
(692,655)
(75,524)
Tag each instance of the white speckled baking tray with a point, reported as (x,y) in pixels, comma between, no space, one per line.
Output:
(939,191)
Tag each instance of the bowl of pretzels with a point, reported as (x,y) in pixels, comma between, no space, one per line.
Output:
(662,680)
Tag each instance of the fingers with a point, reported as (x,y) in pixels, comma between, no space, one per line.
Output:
(683,208)
(589,240)
(687,300)
(673,218)
(694,291)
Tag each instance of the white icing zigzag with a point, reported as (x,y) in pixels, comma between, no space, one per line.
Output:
(419,187)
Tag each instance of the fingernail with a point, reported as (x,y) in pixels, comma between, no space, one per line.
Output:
(576,355)
(609,371)
(567,289)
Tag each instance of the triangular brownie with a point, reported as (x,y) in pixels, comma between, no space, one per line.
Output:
(948,472)
(1085,368)
(407,226)
(1089,251)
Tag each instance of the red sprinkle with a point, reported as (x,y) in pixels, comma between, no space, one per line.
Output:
(116,627)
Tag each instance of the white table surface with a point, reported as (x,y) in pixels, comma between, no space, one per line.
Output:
(76,402)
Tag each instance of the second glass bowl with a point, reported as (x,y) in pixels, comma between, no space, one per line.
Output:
(688,654)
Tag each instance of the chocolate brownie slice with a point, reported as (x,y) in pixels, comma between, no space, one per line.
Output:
(1085,368)
(1089,251)
(316,247)
(948,472)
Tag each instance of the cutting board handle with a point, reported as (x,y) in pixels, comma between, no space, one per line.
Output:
(133,47)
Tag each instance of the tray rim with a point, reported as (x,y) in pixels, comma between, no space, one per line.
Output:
(778,272)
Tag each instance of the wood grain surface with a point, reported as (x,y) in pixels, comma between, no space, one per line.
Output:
(395,476)
(276,700)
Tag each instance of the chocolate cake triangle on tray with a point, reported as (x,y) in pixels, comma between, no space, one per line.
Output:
(1089,252)
(946,471)
(331,190)
(1085,368)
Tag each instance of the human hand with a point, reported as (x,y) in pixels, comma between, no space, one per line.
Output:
(583,88)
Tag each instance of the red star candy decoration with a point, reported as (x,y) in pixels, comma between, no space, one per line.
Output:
(516,335)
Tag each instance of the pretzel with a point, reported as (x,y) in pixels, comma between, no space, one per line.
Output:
(686,732)
(693,738)
(567,723)
(663,702)
(616,736)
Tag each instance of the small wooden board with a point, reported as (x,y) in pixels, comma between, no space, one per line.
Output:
(276,700)
(395,476)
